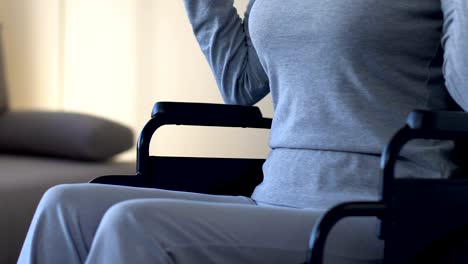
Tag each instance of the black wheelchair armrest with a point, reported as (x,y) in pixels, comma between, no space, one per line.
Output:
(195,114)
(442,121)
(177,173)
(421,124)
(203,114)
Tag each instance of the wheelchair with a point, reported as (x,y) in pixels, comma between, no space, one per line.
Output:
(421,220)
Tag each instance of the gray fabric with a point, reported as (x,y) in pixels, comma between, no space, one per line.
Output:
(66,135)
(115,224)
(343,77)
(455,44)
(23,181)
(3,83)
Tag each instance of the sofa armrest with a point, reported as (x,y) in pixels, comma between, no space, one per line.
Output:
(65,135)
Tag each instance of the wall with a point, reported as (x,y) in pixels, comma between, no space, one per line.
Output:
(32,51)
(115,58)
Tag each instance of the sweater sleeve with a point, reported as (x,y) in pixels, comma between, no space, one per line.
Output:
(225,41)
(455,44)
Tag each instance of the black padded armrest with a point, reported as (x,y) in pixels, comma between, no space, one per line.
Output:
(195,114)
(421,124)
(202,114)
(445,121)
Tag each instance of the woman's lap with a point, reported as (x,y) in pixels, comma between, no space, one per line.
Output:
(184,226)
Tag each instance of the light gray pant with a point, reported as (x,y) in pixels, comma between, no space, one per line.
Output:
(112,224)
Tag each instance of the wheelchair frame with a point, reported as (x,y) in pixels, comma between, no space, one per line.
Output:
(409,237)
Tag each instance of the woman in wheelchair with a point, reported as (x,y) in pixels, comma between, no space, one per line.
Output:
(343,75)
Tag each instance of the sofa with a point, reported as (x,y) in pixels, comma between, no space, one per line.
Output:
(41,149)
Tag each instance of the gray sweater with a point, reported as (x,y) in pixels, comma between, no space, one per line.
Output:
(343,76)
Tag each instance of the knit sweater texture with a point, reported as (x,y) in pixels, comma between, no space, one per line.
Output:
(343,77)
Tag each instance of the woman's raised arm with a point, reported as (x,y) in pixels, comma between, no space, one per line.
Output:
(455,44)
(225,41)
